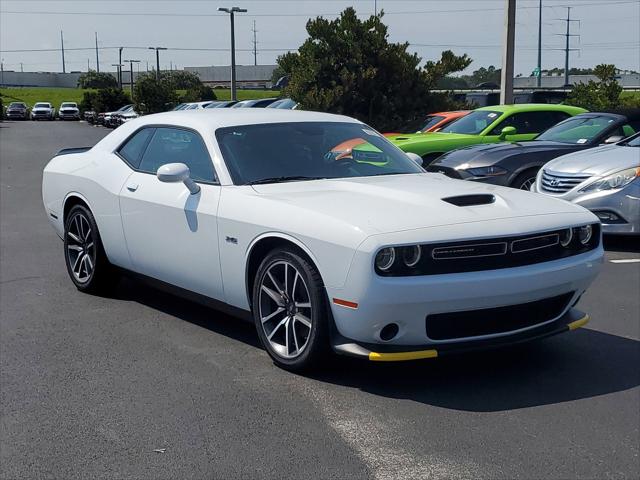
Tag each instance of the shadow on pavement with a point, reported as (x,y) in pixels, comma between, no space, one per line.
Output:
(574,365)
(621,243)
(190,311)
(570,366)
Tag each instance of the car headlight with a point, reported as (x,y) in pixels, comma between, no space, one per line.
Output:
(385,259)
(411,255)
(585,233)
(613,181)
(491,171)
(398,260)
(566,236)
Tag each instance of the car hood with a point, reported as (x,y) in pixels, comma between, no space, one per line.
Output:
(394,203)
(597,161)
(490,154)
(41,109)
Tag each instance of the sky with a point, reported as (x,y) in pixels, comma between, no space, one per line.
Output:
(608,31)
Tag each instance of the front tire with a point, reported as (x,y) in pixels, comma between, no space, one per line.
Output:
(290,310)
(87,263)
(525,180)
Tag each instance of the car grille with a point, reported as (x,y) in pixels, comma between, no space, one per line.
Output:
(492,253)
(555,182)
(491,321)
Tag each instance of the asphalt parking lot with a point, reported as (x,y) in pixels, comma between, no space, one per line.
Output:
(91,387)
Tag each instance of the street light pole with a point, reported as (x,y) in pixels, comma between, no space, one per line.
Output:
(231,11)
(157,49)
(119,72)
(131,62)
(120,67)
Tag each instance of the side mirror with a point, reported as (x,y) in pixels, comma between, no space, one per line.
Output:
(177,172)
(613,139)
(507,131)
(415,157)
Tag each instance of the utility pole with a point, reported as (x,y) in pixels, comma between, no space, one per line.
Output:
(21,68)
(375,8)
(120,67)
(255,44)
(64,70)
(88,66)
(539,70)
(231,11)
(567,48)
(97,56)
(157,49)
(131,62)
(508,46)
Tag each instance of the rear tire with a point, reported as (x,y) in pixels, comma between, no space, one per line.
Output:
(87,263)
(290,310)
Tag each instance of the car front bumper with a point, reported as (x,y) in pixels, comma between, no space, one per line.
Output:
(69,115)
(624,203)
(410,302)
(571,320)
(16,114)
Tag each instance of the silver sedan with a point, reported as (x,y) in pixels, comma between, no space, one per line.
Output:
(606,180)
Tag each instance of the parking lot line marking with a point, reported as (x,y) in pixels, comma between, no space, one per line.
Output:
(626,260)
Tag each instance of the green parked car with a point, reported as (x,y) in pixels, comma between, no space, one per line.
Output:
(497,123)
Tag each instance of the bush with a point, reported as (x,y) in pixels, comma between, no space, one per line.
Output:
(104,100)
(348,66)
(93,79)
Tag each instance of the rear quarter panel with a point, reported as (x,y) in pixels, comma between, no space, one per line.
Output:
(96,178)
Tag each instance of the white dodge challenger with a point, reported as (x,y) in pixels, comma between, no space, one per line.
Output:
(323,232)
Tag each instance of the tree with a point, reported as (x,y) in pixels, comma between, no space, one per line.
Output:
(194,89)
(348,66)
(153,96)
(93,79)
(104,100)
(598,95)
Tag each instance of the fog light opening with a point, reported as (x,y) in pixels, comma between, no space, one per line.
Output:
(389,332)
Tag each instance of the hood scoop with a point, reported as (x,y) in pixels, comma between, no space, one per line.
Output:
(470,200)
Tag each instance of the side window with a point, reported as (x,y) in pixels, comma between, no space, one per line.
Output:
(175,145)
(530,122)
(132,150)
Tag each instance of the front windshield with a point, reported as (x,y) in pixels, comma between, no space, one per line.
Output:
(429,122)
(634,142)
(17,105)
(68,104)
(42,105)
(473,123)
(310,150)
(577,130)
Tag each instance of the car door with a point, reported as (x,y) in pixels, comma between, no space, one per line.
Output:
(171,234)
(528,125)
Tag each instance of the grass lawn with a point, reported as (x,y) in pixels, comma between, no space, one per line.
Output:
(56,96)
(32,95)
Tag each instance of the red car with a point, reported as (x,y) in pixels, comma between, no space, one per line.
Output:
(435,121)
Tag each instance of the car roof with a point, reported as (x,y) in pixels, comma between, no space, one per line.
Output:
(210,119)
(531,107)
(213,118)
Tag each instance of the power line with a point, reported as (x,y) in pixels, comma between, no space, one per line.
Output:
(407,12)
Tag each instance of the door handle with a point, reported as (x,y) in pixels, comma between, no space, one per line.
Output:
(132,187)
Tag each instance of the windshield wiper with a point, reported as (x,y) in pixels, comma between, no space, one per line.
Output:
(291,178)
